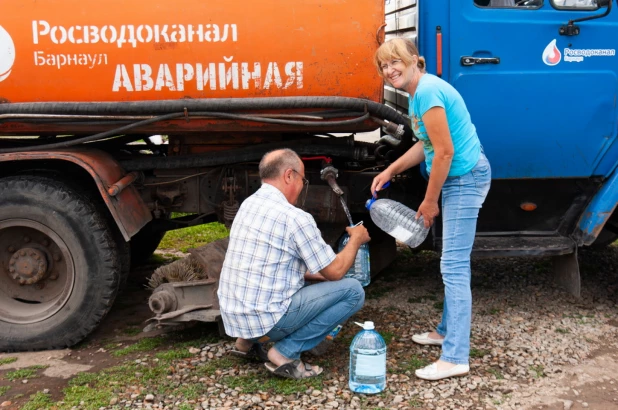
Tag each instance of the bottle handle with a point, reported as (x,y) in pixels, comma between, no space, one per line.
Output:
(374,196)
(388,183)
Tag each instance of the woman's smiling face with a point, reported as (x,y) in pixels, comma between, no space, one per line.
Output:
(398,74)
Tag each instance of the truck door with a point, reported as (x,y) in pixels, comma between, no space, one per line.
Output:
(544,104)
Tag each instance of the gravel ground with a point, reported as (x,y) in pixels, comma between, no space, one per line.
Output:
(533,347)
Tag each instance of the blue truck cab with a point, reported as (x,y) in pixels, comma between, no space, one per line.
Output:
(540,79)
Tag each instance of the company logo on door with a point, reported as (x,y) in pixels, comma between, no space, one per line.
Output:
(551,54)
(7,54)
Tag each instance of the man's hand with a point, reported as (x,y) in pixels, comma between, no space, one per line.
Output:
(358,234)
(344,259)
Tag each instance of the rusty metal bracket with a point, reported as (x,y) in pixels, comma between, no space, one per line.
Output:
(124,182)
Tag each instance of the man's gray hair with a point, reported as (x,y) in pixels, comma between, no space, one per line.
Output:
(274,163)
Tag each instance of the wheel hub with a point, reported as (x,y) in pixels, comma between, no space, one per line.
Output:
(28,266)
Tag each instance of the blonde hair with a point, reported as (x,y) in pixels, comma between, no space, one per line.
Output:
(397,49)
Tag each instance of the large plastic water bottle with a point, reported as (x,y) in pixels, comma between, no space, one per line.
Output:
(367,361)
(398,221)
(361,268)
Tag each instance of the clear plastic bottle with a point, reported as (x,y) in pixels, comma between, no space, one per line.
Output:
(398,221)
(367,361)
(361,268)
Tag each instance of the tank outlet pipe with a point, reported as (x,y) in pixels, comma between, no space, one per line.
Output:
(394,132)
(330,174)
(390,140)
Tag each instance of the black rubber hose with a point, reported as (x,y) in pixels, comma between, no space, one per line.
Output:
(245,154)
(101,135)
(208,104)
(121,130)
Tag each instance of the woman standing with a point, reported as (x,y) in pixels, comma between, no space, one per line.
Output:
(458,169)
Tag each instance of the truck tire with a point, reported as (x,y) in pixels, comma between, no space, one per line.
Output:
(143,245)
(605,238)
(59,265)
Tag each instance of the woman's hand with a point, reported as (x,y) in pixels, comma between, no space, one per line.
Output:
(379,181)
(428,210)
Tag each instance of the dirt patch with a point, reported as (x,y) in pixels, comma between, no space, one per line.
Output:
(121,327)
(592,384)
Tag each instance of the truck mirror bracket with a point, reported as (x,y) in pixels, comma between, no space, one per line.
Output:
(571,29)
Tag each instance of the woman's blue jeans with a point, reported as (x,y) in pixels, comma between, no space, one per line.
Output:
(314,312)
(462,197)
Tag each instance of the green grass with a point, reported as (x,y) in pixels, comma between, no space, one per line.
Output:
(37,401)
(193,236)
(416,403)
(439,305)
(132,331)
(93,398)
(421,299)
(4,389)
(190,391)
(176,354)
(25,373)
(387,336)
(538,370)
(209,368)
(144,345)
(97,389)
(563,331)
(496,373)
(478,353)
(8,360)
(414,362)
(377,291)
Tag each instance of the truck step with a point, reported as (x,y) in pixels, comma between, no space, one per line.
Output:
(507,246)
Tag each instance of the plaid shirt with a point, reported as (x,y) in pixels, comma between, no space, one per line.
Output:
(272,245)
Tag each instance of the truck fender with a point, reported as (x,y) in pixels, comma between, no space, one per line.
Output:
(125,205)
(598,211)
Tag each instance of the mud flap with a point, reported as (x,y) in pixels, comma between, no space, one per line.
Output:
(566,273)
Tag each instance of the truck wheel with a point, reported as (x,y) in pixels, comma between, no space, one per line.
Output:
(605,238)
(59,265)
(143,245)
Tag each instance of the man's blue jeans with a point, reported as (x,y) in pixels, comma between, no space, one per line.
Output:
(315,311)
(462,197)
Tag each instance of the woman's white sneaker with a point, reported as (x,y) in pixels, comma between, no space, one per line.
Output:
(431,372)
(424,339)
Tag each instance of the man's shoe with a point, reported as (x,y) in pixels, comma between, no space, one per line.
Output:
(431,372)
(423,339)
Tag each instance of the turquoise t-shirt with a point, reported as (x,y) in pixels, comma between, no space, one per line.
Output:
(435,92)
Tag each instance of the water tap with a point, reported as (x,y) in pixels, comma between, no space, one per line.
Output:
(330,174)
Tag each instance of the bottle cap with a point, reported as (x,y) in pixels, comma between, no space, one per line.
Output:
(368,325)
